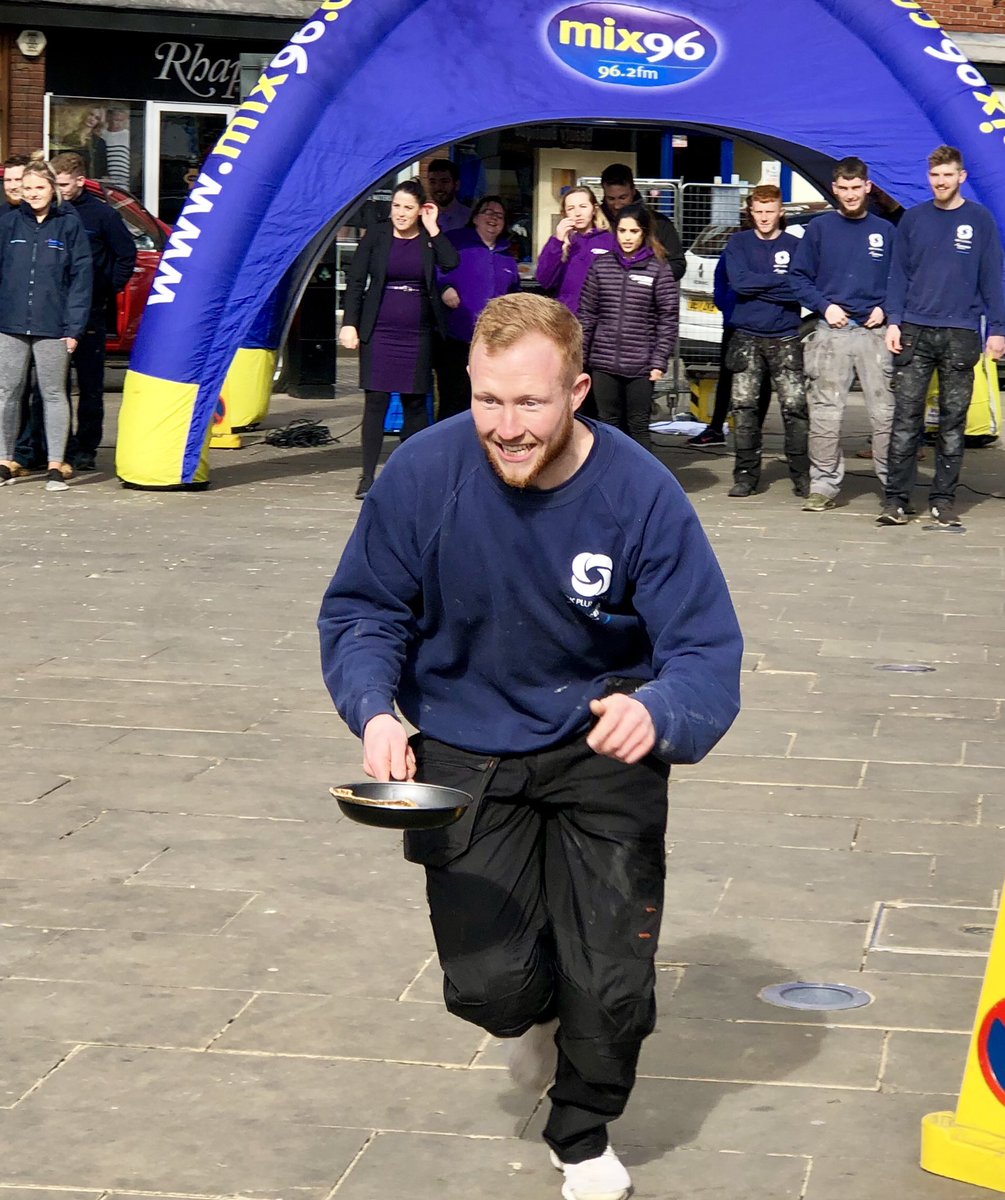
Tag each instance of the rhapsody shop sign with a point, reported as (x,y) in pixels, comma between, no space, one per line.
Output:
(149,66)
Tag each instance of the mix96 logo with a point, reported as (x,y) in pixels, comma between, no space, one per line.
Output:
(628,45)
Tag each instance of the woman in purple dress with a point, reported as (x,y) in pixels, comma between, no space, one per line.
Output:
(392,307)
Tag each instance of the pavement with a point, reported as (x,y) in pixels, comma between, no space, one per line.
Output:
(212,985)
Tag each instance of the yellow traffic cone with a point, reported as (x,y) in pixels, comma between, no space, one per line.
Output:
(969,1144)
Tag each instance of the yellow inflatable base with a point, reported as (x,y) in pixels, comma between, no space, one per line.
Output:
(958,1152)
(225,441)
(154,424)
(245,395)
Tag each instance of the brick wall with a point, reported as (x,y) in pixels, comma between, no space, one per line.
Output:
(24,99)
(969,16)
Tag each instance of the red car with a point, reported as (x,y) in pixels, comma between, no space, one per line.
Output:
(150,235)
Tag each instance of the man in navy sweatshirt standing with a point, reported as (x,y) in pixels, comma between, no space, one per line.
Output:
(840,271)
(766,340)
(945,279)
(536,595)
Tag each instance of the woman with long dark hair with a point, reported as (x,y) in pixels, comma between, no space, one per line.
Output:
(45,300)
(392,306)
(629,311)
(487,269)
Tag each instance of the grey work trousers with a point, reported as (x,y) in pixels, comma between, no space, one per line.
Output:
(831,359)
(52,359)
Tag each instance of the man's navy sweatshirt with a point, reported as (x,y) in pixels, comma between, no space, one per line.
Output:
(844,261)
(758,270)
(947,269)
(494,615)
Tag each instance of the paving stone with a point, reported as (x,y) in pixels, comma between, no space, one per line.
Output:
(748,769)
(702,825)
(351,1028)
(179,1153)
(175,689)
(519,1169)
(731,992)
(16,1193)
(384,1095)
(886,962)
(23,824)
(927,1063)
(349,966)
(962,842)
(892,1174)
(936,778)
(962,807)
(756,1052)
(799,945)
(834,885)
(772,1119)
(25,787)
(17,945)
(24,1061)
(132,906)
(116,1013)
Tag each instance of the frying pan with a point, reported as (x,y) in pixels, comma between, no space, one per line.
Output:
(401,805)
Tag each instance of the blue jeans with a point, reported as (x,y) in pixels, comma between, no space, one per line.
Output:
(953,353)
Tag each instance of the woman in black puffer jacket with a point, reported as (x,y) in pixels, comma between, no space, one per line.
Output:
(629,312)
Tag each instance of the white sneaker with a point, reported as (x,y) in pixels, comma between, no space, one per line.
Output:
(602,1178)
(533,1057)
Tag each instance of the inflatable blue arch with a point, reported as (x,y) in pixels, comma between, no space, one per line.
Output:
(366,85)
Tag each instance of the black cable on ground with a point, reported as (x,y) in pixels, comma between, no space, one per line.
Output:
(304,432)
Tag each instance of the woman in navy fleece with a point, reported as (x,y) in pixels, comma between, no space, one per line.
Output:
(629,312)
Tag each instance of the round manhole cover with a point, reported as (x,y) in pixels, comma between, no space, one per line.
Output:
(815,997)
(913,668)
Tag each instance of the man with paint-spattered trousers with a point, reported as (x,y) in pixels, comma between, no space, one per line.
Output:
(945,285)
(766,341)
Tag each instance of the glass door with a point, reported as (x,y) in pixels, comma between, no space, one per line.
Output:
(179,136)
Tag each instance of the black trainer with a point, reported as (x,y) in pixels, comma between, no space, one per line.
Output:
(708,437)
(892,514)
(741,488)
(84,462)
(945,514)
(801,487)
(363,487)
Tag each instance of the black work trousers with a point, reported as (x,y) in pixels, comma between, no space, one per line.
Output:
(453,384)
(545,901)
(626,403)
(953,353)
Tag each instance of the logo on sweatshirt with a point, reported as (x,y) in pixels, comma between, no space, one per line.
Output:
(782,260)
(630,46)
(964,238)
(877,245)
(591,574)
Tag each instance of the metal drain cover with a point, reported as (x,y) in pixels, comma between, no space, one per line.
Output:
(815,997)
(917,668)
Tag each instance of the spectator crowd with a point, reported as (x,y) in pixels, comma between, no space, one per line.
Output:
(895,297)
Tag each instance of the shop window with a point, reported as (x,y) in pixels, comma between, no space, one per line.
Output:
(106,133)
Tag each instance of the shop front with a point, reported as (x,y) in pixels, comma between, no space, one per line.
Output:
(143,110)
(141,95)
